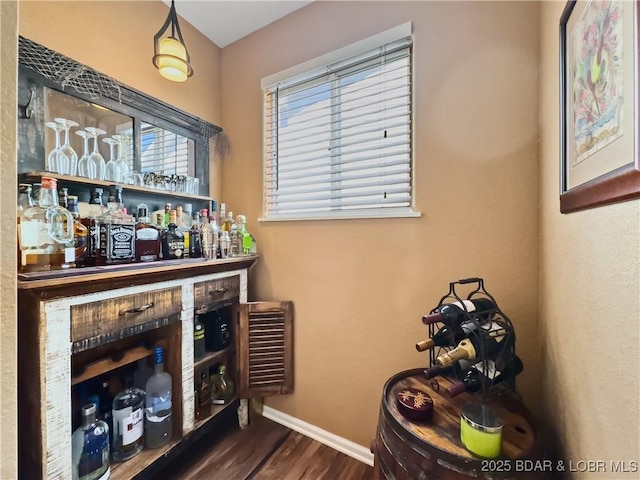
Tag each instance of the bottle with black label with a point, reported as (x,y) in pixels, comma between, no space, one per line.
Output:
(455,313)
(117,232)
(172,240)
(218,332)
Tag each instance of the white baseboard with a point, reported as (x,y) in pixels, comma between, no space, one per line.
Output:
(327,438)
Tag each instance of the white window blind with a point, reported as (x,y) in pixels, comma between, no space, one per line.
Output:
(163,151)
(338,138)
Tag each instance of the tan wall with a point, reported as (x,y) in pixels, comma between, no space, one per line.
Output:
(8,267)
(116,38)
(360,286)
(590,302)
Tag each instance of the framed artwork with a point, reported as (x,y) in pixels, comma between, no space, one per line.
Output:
(599,98)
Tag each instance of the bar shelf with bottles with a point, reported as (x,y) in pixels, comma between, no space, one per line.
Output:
(472,342)
(97,239)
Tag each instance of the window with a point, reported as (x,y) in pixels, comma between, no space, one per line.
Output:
(338,138)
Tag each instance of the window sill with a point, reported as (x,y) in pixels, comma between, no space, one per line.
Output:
(342,216)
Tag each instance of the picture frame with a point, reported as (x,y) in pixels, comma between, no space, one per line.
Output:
(599,99)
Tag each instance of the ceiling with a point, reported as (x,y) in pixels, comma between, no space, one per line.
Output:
(225,21)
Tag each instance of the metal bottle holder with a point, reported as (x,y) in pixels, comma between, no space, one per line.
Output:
(483,321)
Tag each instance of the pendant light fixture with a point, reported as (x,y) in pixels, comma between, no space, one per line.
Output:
(171,57)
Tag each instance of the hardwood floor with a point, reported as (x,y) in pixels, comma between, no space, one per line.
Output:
(264,451)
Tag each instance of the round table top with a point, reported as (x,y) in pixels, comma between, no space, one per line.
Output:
(443,431)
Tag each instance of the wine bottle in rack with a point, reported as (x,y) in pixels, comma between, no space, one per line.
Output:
(454,314)
(436,370)
(476,377)
(447,336)
(487,340)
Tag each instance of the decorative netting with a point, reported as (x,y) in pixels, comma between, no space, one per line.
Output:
(67,72)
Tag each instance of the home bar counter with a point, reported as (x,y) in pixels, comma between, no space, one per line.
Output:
(79,324)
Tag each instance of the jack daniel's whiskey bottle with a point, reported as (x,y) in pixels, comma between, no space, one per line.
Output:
(117,232)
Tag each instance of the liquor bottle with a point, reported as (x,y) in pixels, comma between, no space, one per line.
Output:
(454,313)
(24,202)
(90,447)
(117,232)
(227,222)
(447,336)
(218,332)
(234,240)
(487,341)
(184,229)
(46,232)
(167,213)
(147,237)
(209,236)
(225,244)
(128,422)
(80,233)
(158,418)
(195,237)
(203,395)
(63,201)
(222,216)
(198,339)
(475,379)
(172,240)
(247,240)
(104,409)
(222,387)
(92,222)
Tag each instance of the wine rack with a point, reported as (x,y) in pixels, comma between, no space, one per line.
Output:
(488,322)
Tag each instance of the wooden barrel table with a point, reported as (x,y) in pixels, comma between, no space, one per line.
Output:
(406,449)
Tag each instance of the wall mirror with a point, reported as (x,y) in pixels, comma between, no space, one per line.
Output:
(58,97)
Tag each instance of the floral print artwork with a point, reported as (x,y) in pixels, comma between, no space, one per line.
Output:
(597,78)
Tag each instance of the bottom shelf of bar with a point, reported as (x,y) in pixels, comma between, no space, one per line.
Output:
(215,410)
(128,469)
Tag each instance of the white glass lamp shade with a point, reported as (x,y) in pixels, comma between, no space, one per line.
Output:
(172,60)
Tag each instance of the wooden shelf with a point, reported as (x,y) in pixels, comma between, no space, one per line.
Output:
(105,183)
(215,410)
(211,357)
(104,365)
(129,468)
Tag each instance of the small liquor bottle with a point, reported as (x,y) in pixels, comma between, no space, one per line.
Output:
(198,339)
(222,387)
(128,422)
(184,229)
(158,419)
(90,447)
(80,233)
(46,232)
(203,395)
(247,241)
(195,237)
(147,237)
(172,240)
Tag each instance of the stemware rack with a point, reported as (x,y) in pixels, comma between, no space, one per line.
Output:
(493,320)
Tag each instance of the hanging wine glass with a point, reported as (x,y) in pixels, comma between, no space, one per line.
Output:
(95,155)
(112,169)
(67,156)
(86,165)
(51,164)
(123,165)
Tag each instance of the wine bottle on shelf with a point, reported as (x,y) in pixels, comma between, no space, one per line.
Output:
(476,377)
(447,336)
(455,313)
(483,340)
(445,371)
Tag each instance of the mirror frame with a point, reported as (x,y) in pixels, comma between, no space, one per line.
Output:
(81,81)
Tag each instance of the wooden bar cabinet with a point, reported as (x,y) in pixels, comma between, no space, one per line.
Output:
(86,323)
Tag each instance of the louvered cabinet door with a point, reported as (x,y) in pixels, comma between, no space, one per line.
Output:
(264,343)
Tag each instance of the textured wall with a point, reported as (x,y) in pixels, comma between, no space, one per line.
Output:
(360,286)
(116,38)
(590,302)
(8,259)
